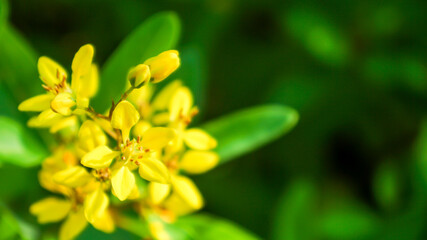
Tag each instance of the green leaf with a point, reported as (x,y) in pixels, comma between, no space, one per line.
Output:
(18,146)
(207,227)
(319,36)
(157,34)
(18,65)
(11,227)
(387,186)
(119,234)
(351,222)
(296,212)
(249,129)
(4,10)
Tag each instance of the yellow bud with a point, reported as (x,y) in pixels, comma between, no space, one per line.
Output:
(181,103)
(95,204)
(50,209)
(123,181)
(124,118)
(158,192)
(76,176)
(163,65)
(199,140)
(63,103)
(157,137)
(153,170)
(138,75)
(197,162)
(100,157)
(38,103)
(187,190)
(51,73)
(73,226)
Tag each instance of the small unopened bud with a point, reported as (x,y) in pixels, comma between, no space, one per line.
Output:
(138,75)
(63,104)
(163,65)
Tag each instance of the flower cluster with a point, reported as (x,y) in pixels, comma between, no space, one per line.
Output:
(98,157)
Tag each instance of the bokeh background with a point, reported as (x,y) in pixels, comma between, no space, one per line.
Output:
(355,165)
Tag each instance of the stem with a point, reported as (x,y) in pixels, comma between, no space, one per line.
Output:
(96,114)
(122,98)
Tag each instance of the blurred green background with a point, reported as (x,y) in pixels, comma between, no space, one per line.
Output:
(355,166)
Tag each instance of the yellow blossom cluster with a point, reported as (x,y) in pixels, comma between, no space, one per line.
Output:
(138,152)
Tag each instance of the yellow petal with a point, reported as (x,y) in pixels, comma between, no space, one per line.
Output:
(76,176)
(157,137)
(177,205)
(158,192)
(160,119)
(95,204)
(104,222)
(188,191)
(140,128)
(197,162)
(69,122)
(38,103)
(63,103)
(123,181)
(82,61)
(199,140)
(161,102)
(73,226)
(158,230)
(51,73)
(138,75)
(91,136)
(153,170)
(50,209)
(124,117)
(100,157)
(134,194)
(89,83)
(181,103)
(45,119)
(164,64)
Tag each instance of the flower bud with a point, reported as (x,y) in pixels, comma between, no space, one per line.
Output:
(138,75)
(163,65)
(63,103)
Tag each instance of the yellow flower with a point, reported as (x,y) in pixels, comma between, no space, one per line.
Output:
(181,111)
(163,65)
(62,98)
(134,154)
